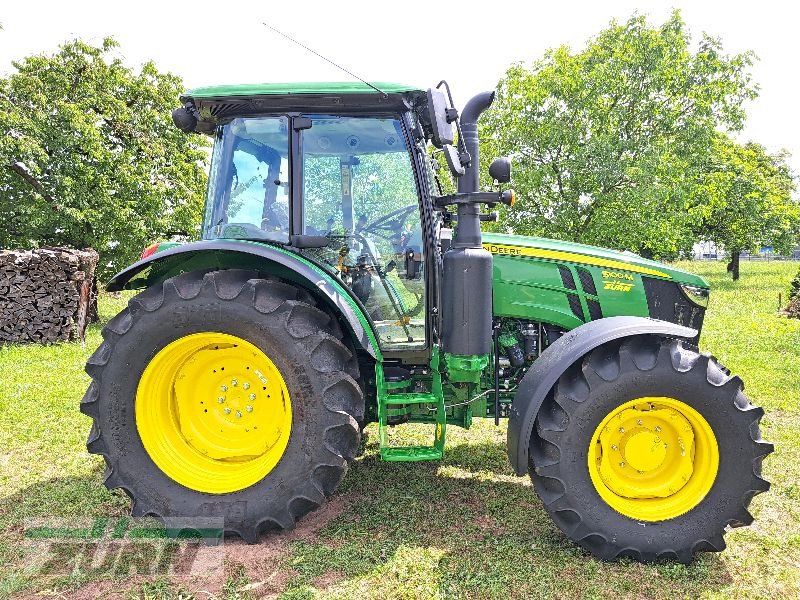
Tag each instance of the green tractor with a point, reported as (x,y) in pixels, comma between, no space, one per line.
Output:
(335,285)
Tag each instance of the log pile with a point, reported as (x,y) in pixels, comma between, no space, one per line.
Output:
(45,295)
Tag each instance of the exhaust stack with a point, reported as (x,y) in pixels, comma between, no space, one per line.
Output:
(467,268)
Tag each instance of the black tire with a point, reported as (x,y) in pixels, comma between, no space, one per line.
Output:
(305,344)
(610,376)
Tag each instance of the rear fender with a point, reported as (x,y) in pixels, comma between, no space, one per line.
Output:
(557,358)
(231,254)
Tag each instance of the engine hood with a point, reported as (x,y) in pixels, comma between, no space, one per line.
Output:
(560,251)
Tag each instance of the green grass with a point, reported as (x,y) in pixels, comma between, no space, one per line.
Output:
(465,527)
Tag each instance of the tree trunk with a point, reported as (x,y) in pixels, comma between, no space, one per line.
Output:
(733,265)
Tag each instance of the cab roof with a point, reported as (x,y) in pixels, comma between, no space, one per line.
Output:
(299,88)
(219,103)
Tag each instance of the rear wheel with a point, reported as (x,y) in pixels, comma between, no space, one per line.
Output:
(224,394)
(648,449)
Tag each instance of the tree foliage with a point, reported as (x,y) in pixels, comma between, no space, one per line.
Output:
(609,142)
(89,156)
(381,183)
(743,198)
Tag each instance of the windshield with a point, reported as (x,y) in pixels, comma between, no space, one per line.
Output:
(248,187)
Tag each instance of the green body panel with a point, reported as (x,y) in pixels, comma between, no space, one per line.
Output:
(306,88)
(528,282)
(527,288)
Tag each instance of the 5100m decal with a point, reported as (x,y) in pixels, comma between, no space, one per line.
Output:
(611,281)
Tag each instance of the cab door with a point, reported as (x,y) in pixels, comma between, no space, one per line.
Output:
(360,191)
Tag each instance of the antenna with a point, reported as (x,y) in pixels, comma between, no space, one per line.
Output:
(314,52)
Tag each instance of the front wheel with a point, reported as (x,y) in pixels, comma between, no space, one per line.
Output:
(648,449)
(224,394)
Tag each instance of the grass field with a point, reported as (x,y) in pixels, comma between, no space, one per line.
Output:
(465,527)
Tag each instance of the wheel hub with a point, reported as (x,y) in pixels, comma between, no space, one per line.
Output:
(225,404)
(646,452)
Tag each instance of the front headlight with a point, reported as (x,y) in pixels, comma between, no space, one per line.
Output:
(696,295)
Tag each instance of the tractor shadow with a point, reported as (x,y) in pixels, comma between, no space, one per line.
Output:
(486,520)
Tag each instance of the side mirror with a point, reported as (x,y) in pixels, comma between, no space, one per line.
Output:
(184,119)
(441,126)
(500,169)
(453,160)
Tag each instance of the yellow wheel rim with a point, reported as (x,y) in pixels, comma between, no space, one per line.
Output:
(213,412)
(653,459)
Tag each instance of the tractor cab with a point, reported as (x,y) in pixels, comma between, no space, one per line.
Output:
(340,189)
(341,175)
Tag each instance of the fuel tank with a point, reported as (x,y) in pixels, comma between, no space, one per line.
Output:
(467,298)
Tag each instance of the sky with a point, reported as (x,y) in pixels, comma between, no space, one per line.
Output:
(470,44)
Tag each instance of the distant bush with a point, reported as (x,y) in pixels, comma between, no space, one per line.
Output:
(794,287)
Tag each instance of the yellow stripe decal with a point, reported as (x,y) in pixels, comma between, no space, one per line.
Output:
(572,257)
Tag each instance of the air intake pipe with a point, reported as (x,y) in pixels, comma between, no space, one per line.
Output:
(466,266)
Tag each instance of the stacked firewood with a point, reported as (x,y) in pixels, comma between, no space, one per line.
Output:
(45,295)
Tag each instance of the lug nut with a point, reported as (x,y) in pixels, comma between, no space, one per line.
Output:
(234,382)
(227,410)
(221,399)
(622,430)
(658,428)
(246,385)
(639,422)
(614,447)
(252,396)
(238,413)
(224,388)
(249,409)
(622,464)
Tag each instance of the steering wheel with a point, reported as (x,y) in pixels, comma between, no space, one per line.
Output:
(393,218)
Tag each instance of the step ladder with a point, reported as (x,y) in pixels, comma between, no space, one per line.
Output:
(395,404)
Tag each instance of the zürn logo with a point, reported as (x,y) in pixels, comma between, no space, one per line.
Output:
(123,546)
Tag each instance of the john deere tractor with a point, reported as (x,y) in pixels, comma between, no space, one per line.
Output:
(336,285)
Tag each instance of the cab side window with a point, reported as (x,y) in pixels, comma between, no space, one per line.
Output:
(251,182)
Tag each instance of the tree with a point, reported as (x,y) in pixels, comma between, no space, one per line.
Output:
(743,200)
(89,156)
(607,141)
